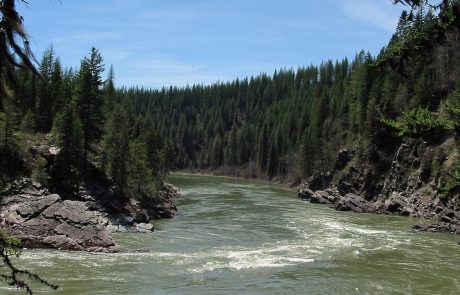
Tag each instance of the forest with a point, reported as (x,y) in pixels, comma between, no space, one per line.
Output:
(285,126)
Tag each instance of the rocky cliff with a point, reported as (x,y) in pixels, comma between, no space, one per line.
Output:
(77,214)
(399,180)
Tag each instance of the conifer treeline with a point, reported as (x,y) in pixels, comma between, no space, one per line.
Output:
(294,122)
(78,111)
(289,124)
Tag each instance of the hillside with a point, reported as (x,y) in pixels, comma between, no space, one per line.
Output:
(383,125)
(372,126)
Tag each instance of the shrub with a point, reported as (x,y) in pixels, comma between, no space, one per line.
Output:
(419,122)
(450,183)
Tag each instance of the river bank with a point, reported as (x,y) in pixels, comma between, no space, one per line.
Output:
(244,173)
(400,181)
(237,236)
(83,221)
(385,187)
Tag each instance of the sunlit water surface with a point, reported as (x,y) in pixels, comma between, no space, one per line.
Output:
(244,237)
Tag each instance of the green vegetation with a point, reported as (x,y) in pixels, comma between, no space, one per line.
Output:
(451,182)
(287,125)
(417,28)
(82,114)
(419,122)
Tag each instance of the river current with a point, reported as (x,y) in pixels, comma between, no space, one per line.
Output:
(236,236)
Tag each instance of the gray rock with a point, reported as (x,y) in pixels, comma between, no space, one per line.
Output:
(122,219)
(355,203)
(438,227)
(398,204)
(144,227)
(36,206)
(62,242)
(112,228)
(47,221)
(40,219)
(74,212)
(306,193)
(344,188)
(320,197)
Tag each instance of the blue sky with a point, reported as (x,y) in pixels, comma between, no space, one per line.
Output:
(155,43)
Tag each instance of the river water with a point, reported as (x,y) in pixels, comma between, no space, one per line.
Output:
(244,237)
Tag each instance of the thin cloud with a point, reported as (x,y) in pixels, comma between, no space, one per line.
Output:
(101,35)
(374,12)
(167,65)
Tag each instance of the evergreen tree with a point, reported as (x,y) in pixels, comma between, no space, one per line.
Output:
(45,101)
(109,91)
(8,139)
(139,171)
(90,99)
(116,145)
(69,131)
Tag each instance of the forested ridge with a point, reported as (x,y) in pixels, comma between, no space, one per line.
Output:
(294,122)
(76,111)
(286,125)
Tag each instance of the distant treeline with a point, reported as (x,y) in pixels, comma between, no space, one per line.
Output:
(289,124)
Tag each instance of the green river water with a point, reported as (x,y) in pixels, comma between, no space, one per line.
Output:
(243,237)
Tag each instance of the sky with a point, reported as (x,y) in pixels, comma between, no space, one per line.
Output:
(156,43)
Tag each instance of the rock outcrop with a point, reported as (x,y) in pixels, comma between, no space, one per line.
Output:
(39,218)
(397,181)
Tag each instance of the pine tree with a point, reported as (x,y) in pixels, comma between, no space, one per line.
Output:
(69,131)
(109,91)
(262,148)
(139,172)
(8,138)
(116,145)
(90,99)
(45,101)
(56,80)
(164,164)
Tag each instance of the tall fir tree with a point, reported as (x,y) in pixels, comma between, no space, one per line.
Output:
(90,100)
(116,144)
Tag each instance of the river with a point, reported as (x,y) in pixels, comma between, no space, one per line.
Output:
(244,237)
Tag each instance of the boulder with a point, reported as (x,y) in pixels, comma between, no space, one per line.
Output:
(40,219)
(320,197)
(36,206)
(48,221)
(121,219)
(144,227)
(62,242)
(398,204)
(305,193)
(344,188)
(438,227)
(355,203)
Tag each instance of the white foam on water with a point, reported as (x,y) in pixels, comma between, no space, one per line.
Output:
(344,227)
(266,262)
(368,231)
(266,257)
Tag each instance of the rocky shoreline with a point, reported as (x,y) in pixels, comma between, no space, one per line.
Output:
(400,190)
(85,222)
